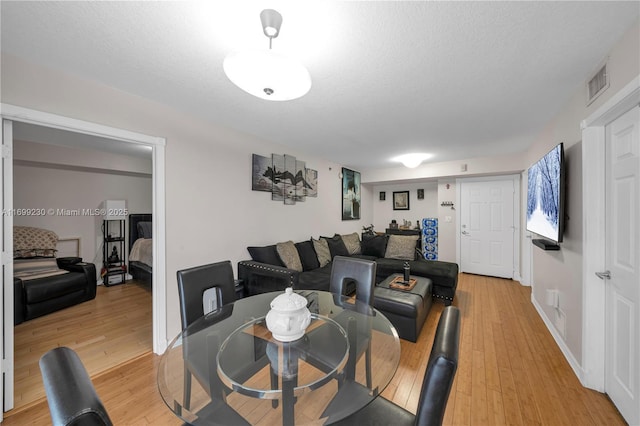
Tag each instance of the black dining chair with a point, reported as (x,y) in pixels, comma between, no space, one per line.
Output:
(193,284)
(345,272)
(348,270)
(436,386)
(202,289)
(70,393)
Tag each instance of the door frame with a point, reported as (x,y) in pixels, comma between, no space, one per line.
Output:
(593,231)
(26,115)
(516,216)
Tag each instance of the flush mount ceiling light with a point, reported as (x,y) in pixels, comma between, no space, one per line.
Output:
(265,73)
(412,160)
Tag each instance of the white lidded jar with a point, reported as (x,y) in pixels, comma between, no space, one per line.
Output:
(289,317)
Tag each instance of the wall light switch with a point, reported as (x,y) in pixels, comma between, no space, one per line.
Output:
(447,219)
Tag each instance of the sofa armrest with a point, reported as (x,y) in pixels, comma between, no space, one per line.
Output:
(262,278)
(89,270)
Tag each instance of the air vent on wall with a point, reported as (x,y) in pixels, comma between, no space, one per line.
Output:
(597,84)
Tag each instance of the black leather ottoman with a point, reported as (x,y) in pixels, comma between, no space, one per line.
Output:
(443,275)
(406,309)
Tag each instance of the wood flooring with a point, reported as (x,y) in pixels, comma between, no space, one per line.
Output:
(511,371)
(106,331)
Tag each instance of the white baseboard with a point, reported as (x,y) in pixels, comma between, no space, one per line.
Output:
(573,363)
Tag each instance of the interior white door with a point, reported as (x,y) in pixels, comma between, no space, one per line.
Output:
(6,199)
(487,227)
(622,375)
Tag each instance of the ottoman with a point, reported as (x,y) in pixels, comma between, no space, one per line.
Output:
(406,309)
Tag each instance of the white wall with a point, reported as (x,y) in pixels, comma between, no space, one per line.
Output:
(383,211)
(49,185)
(562,269)
(447,222)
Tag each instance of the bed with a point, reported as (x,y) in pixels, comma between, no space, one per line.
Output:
(140,241)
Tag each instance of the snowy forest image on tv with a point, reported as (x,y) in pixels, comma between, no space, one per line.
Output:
(544,195)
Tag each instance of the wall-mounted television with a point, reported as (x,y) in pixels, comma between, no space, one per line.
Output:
(545,198)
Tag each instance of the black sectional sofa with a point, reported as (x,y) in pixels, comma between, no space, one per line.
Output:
(267,272)
(307,266)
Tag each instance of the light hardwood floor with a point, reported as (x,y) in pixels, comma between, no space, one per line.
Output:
(511,371)
(106,331)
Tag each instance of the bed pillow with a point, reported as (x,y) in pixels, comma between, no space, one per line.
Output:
(289,255)
(374,245)
(145,230)
(401,247)
(322,250)
(336,246)
(308,255)
(352,243)
(266,254)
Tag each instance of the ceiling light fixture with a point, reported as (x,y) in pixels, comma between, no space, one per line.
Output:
(412,160)
(265,73)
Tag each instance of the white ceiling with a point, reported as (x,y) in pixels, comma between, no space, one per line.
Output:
(454,79)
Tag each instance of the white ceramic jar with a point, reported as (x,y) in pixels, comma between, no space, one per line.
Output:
(289,317)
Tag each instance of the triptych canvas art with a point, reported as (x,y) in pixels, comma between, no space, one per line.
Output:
(285,177)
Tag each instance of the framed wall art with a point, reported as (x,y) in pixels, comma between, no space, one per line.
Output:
(286,177)
(401,200)
(383,195)
(420,194)
(350,194)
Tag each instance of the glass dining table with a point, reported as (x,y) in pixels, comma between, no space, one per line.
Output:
(227,369)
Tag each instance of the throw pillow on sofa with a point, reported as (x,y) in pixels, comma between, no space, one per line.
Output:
(322,250)
(308,255)
(336,246)
(352,243)
(401,247)
(374,245)
(289,255)
(266,254)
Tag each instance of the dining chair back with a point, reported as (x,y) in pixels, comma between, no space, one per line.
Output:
(441,369)
(360,271)
(195,284)
(70,393)
(436,386)
(201,288)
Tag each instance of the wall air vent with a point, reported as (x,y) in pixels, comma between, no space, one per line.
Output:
(597,84)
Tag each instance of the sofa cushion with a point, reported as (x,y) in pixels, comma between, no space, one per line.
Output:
(336,246)
(318,279)
(401,247)
(308,255)
(322,250)
(289,255)
(46,289)
(352,243)
(374,245)
(266,254)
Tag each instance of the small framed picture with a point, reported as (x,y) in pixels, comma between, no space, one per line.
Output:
(420,194)
(383,195)
(401,200)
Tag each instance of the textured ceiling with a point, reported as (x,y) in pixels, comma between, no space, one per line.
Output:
(454,79)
